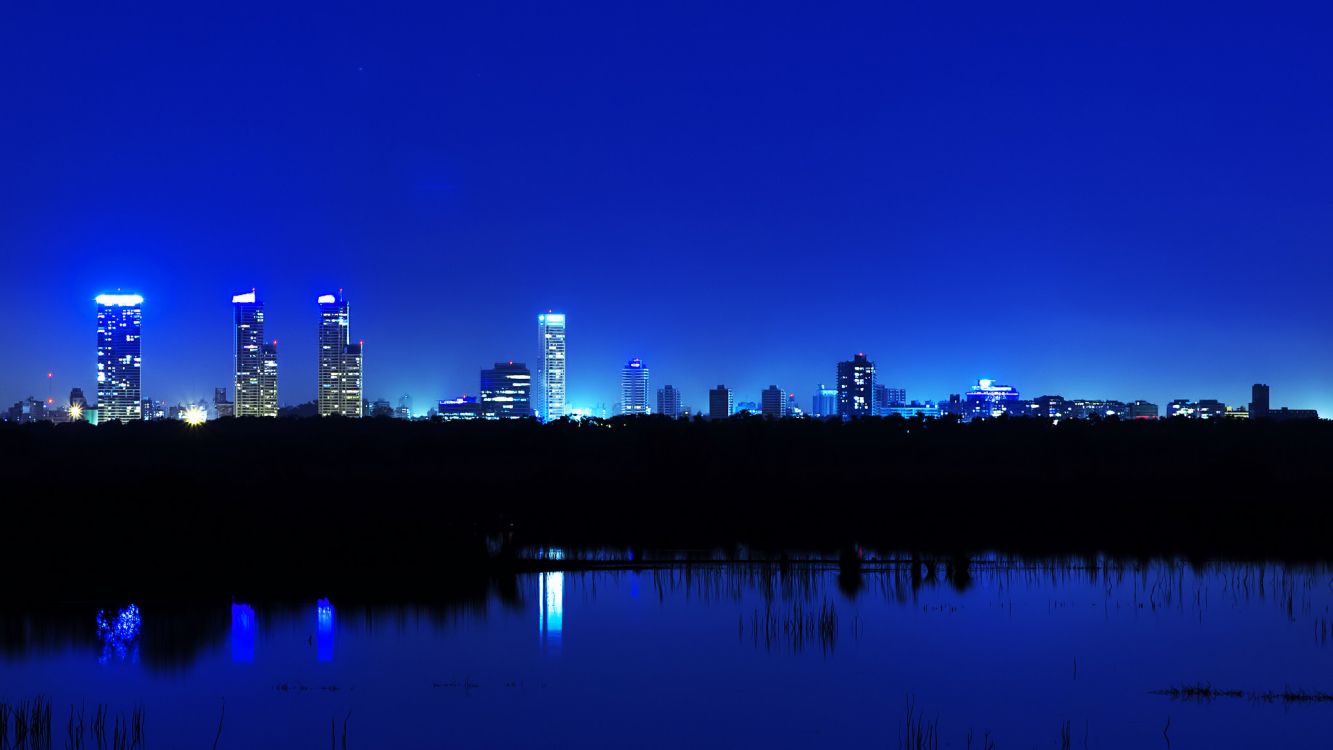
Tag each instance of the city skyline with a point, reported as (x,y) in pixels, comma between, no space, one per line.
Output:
(875,389)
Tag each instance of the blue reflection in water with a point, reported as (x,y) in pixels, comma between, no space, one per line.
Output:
(324,630)
(120,634)
(551,590)
(243,632)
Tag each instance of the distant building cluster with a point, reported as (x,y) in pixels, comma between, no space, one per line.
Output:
(510,390)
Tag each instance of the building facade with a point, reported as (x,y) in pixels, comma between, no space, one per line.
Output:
(634,388)
(256,382)
(988,399)
(119,357)
(773,402)
(1259,403)
(856,387)
(340,362)
(825,402)
(507,390)
(720,402)
(669,401)
(551,375)
(1141,409)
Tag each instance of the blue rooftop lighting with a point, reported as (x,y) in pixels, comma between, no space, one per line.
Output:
(119,300)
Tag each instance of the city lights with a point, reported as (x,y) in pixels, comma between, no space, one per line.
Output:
(194,415)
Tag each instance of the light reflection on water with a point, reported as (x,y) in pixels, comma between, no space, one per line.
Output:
(806,652)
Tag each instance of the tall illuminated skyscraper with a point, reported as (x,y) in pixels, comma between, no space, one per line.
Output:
(119,357)
(634,388)
(339,361)
(256,361)
(551,382)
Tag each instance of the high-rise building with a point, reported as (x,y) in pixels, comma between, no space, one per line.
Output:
(856,387)
(404,408)
(221,406)
(119,357)
(507,389)
(551,376)
(634,388)
(339,361)
(825,402)
(668,401)
(256,360)
(719,402)
(1259,404)
(772,402)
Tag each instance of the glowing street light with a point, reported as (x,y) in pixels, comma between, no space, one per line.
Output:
(195,415)
(75,412)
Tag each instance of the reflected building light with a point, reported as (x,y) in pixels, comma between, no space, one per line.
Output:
(324,630)
(551,590)
(119,634)
(243,632)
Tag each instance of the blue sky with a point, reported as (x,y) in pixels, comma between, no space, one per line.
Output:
(1130,201)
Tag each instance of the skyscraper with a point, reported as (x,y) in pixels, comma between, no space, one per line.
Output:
(772,402)
(551,383)
(1259,404)
(507,390)
(825,402)
(339,360)
(256,360)
(119,357)
(668,401)
(856,387)
(634,388)
(719,402)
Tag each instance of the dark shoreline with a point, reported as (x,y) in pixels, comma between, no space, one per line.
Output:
(381,504)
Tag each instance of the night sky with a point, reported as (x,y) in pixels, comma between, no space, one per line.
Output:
(1116,202)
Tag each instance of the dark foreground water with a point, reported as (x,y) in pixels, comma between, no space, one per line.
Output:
(712,654)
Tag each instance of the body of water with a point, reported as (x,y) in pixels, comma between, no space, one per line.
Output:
(717,653)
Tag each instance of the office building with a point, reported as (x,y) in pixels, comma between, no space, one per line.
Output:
(1287,415)
(825,402)
(669,402)
(914,409)
(772,402)
(551,375)
(988,399)
(856,387)
(404,408)
(1141,409)
(340,362)
(634,388)
(256,360)
(1206,408)
(886,397)
(792,409)
(720,405)
(119,357)
(507,390)
(464,407)
(1259,401)
(221,405)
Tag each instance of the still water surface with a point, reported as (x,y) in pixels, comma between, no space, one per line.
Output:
(719,653)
